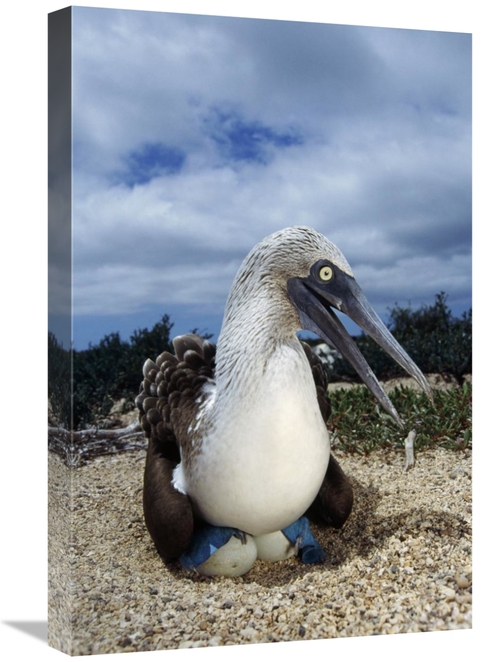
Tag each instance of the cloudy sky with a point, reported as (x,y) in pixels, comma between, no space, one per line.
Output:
(195,136)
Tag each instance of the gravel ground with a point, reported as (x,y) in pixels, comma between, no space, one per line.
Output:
(402,563)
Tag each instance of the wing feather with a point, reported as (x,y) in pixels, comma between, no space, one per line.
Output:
(167,401)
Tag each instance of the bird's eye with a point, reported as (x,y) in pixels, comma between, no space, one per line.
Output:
(325,273)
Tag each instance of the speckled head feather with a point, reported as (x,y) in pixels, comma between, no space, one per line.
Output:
(293,250)
(281,255)
(258,302)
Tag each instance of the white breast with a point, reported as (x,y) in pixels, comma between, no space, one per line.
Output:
(264,463)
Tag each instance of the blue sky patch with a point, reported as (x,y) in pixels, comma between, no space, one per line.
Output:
(152,160)
(240,140)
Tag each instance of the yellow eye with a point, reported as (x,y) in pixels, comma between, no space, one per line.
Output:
(326,273)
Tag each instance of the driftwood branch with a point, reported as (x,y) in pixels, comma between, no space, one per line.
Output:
(78,446)
(95,433)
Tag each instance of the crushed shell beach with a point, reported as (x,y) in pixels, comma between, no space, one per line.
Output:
(402,563)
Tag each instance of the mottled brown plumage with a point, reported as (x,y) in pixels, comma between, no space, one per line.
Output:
(166,403)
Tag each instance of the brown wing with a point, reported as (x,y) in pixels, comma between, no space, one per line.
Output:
(166,402)
(170,389)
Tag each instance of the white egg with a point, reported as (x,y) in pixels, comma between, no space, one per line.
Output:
(233,559)
(274,547)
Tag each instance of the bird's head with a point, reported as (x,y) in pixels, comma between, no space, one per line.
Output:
(321,281)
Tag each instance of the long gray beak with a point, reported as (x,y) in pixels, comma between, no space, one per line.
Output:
(314,301)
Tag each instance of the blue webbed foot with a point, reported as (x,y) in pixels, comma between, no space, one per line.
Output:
(205,542)
(220,551)
(308,548)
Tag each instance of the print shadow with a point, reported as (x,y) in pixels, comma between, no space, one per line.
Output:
(37,629)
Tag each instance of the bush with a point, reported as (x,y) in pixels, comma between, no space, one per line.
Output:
(112,370)
(360,425)
(97,377)
(59,382)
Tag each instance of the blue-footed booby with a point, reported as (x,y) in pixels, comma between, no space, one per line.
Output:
(239,454)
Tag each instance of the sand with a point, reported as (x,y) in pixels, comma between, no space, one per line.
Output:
(402,563)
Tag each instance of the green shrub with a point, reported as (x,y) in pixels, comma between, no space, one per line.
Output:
(97,376)
(59,383)
(112,370)
(360,425)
